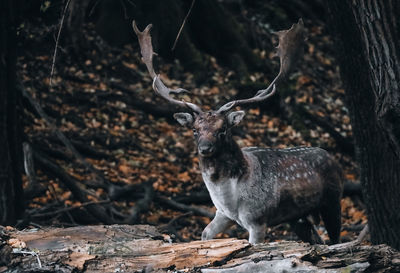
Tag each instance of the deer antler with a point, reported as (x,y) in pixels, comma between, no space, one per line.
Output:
(289,49)
(159,87)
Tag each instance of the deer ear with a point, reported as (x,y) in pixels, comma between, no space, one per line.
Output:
(184,119)
(234,118)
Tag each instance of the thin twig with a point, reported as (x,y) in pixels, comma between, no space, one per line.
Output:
(125,10)
(57,40)
(175,205)
(51,213)
(363,234)
(18,251)
(93,8)
(183,24)
(131,2)
(353,243)
(170,229)
(314,230)
(173,220)
(73,185)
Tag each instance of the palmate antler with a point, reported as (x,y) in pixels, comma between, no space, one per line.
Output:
(146,49)
(289,49)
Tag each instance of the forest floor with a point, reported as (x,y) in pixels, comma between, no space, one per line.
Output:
(102,101)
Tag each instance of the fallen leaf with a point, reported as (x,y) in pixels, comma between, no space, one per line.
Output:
(125,169)
(16,243)
(184,177)
(350,176)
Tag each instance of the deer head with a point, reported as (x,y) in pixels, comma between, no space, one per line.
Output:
(211,129)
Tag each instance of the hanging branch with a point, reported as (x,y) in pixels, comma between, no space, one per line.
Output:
(183,24)
(57,40)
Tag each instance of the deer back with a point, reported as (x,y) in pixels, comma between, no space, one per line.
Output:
(279,185)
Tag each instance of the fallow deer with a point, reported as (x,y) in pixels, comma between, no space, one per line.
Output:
(255,187)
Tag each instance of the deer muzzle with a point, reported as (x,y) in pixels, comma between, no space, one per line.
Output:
(206,148)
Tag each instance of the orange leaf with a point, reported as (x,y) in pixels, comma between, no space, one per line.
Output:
(302,80)
(255,111)
(124,169)
(184,177)
(350,176)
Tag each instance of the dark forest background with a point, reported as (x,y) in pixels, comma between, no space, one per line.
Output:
(86,140)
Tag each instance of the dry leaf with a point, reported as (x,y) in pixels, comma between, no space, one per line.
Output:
(16,243)
(129,65)
(125,169)
(184,177)
(350,176)
(303,79)
(255,111)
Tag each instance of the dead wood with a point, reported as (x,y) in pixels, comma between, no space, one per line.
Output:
(61,135)
(182,207)
(81,146)
(143,204)
(157,110)
(127,192)
(28,165)
(62,210)
(104,139)
(354,228)
(201,197)
(73,185)
(129,96)
(140,248)
(132,192)
(346,145)
(46,147)
(169,228)
(90,151)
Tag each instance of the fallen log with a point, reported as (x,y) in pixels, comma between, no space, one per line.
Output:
(142,248)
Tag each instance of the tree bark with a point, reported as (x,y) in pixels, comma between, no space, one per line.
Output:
(368,46)
(142,248)
(11,203)
(75,24)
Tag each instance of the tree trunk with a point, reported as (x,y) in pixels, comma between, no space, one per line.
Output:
(10,153)
(142,248)
(368,45)
(75,24)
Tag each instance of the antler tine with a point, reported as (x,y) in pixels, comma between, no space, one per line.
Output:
(289,49)
(146,49)
(260,96)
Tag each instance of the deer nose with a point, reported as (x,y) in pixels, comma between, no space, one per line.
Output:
(205,148)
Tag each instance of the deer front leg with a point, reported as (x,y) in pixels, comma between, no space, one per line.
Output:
(219,224)
(257,234)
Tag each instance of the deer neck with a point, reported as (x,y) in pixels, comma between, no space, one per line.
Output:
(228,162)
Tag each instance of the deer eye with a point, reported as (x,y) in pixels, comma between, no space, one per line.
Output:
(195,132)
